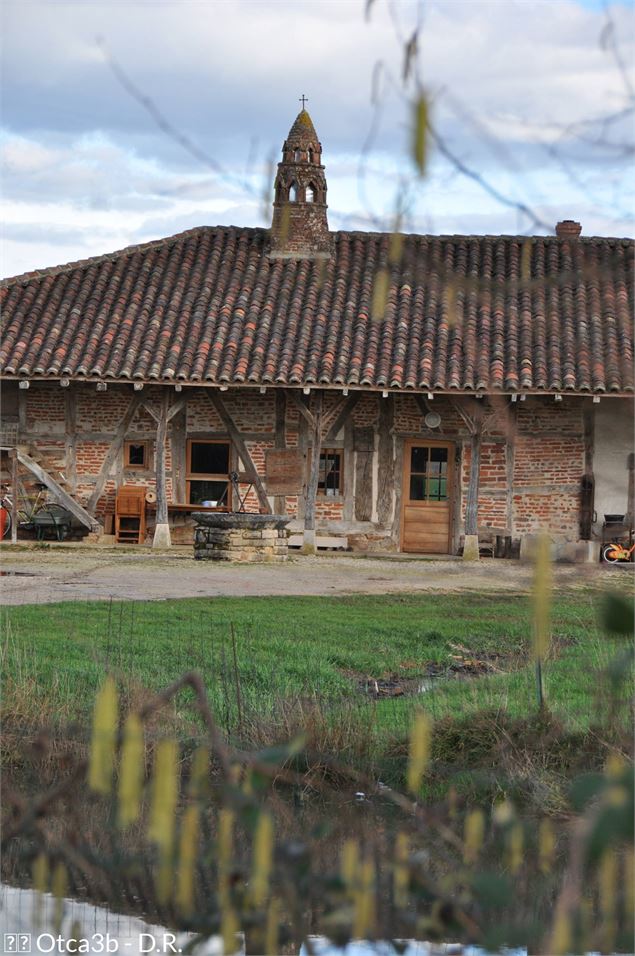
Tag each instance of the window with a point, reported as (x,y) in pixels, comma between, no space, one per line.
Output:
(311,193)
(293,192)
(297,155)
(428,473)
(207,478)
(330,473)
(135,454)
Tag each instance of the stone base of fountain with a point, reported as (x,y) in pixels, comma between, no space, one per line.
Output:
(234,536)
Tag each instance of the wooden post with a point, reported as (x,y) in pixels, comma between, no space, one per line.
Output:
(70,444)
(14,498)
(470,548)
(314,474)
(162,527)
(280,441)
(386,462)
(510,464)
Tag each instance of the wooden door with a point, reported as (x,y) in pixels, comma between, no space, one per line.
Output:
(426,497)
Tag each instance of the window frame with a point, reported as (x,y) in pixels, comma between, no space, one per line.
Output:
(208,476)
(322,492)
(131,466)
(430,475)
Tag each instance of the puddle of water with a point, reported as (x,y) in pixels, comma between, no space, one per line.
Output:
(26,912)
(18,574)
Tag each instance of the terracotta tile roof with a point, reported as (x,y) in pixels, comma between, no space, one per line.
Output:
(454,313)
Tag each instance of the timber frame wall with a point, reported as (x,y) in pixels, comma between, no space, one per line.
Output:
(532,454)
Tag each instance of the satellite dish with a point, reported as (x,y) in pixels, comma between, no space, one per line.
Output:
(432,419)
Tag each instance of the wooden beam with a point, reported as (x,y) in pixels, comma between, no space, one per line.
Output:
(178,446)
(57,491)
(314,474)
(159,461)
(149,409)
(177,407)
(422,404)
(14,499)
(349,472)
(70,443)
(471,510)
(343,412)
(113,451)
(510,457)
(301,407)
(385,462)
(469,421)
(240,447)
(280,441)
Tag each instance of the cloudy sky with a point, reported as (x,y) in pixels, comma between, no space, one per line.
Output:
(129,120)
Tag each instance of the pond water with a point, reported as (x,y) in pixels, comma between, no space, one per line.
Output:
(29,918)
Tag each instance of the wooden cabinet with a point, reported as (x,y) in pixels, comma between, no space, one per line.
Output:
(130,514)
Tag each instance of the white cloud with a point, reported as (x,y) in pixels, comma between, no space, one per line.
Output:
(82,159)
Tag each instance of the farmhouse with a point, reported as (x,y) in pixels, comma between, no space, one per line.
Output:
(389,392)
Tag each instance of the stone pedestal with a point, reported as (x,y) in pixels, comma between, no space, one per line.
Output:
(240,537)
(470,548)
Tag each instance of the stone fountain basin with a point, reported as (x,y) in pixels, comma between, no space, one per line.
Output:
(238,520)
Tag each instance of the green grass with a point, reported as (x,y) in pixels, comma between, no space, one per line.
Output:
(302,649)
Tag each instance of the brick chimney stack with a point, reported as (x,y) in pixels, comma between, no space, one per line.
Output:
(568,229)
(300,229)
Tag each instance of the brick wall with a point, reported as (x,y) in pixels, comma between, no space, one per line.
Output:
(548,449)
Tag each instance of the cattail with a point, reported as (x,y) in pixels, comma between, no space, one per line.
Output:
(381,288)
(187,860)
(396,244)
(546,846)
(272,928)
(420,133)
(131,772)
(449,301)
(199,774)
(40,885)
(164,795)
(102,748)
(525,260)
(503,813)
(364,900)
(59,886)
(561,937)
(473,835)
(163,812)
(542,598)
(628,861)
(607,882)
(401,872)
(229,929)
(263,854)
(225,848)
(349,863)
(516,841)
(419,754)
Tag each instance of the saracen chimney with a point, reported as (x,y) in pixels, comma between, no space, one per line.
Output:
(568,229)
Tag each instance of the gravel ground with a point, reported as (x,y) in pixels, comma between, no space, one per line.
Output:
(70,573)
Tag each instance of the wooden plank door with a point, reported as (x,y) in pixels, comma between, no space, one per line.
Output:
(427,490)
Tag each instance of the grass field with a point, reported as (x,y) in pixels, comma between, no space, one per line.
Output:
(306,649)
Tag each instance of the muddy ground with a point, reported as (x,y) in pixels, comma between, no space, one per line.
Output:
(36,576)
